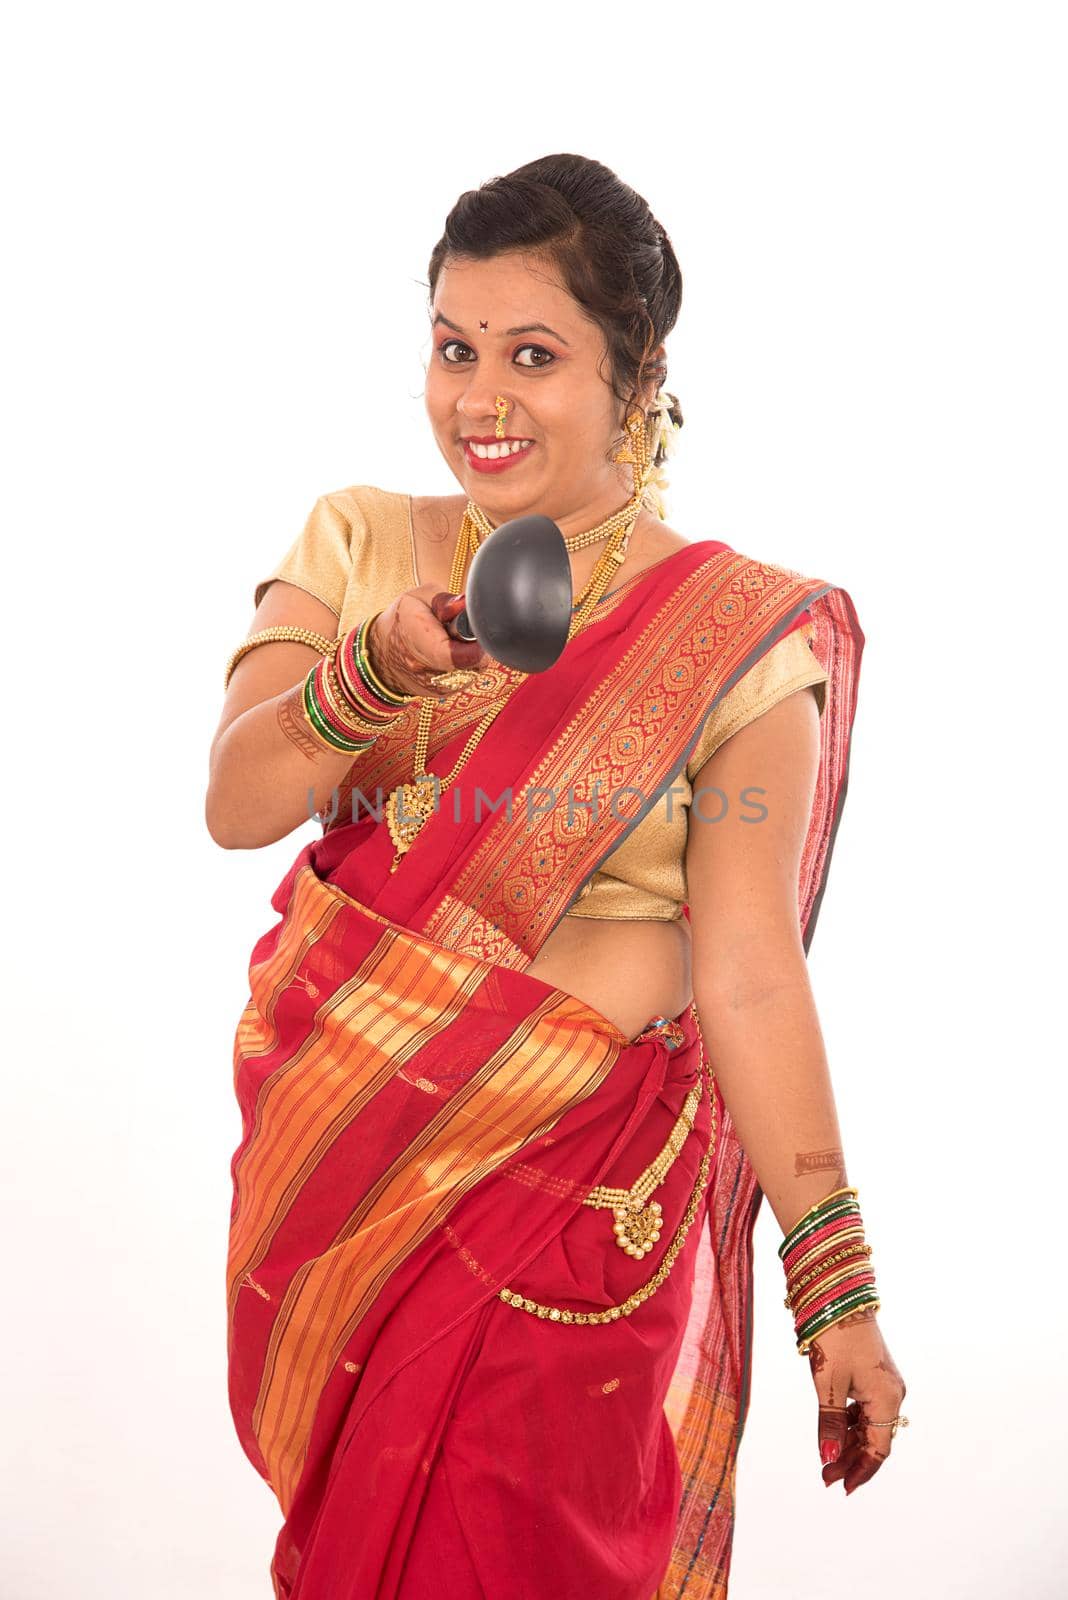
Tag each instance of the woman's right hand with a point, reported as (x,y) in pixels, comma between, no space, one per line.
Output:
(268,773)
(409,645)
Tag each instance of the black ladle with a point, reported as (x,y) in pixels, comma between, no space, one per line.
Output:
(518,595)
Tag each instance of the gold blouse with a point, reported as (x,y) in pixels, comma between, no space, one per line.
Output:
(356,553)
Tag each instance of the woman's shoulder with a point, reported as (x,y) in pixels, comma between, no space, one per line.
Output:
(377,518)
(361,502)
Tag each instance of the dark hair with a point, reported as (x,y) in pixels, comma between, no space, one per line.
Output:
(613,256)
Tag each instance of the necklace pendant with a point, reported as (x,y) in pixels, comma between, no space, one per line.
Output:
(407,808)
(638,1230)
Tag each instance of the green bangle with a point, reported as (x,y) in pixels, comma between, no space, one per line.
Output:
(322,728)
(867,1294)
(837,1204)
(323,732)
(367,672)
(799,1235)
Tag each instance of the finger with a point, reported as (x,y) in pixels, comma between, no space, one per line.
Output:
(847,1462)
(445,606)
(851,1443)
(875,1445)
(465,654)
(864,1468)
(831,1392)
(863,1454)
(832,1429)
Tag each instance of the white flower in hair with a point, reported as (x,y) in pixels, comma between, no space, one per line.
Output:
(666,436)
(663,432)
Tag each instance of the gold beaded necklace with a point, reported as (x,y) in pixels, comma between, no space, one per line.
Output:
(410,804)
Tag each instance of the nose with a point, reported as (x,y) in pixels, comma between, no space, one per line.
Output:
(477,401)
(477,406)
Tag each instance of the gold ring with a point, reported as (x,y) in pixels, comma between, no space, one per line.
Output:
(893,1424)
(458,678)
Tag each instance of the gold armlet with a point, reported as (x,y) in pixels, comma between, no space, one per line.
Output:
(284,633)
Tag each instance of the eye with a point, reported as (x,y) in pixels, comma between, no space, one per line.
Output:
(457,353)
(535,349)
(449,344)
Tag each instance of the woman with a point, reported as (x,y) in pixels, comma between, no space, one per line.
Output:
(517,1070)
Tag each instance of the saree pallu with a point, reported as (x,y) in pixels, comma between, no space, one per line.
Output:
(451,1376)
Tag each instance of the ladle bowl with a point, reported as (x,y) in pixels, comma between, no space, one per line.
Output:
(518,595)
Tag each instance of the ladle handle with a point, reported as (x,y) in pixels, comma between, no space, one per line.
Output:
(460,627)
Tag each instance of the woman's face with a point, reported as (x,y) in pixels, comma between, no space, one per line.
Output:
(508,327)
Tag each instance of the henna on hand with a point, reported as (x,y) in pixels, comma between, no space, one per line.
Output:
(817,1360)
(844,1362)
(408,644)
(821,1161)
(860,1459)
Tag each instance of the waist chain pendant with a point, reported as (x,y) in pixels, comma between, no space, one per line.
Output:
(637,1231)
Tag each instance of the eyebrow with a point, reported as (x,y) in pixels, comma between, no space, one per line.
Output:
(509,333)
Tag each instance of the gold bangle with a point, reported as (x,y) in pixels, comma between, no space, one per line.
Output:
(356,698)
(824,1266)
(341,708)
(818,1252)
(835,1194)
(386,692)
(327,743)
(282,633)
(827,1280)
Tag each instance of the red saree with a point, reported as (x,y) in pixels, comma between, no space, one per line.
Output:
(451,1377)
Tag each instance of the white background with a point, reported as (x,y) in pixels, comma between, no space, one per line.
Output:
(219,224)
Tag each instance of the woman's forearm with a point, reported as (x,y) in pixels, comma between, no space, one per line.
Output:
(765,1047)
(269,773)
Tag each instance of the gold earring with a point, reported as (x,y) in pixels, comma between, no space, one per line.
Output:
(635,449)
(502,411)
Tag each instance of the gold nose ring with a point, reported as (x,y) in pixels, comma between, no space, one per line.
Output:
(502,411)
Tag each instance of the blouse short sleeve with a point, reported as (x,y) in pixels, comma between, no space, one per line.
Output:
(789,665)
(320,559)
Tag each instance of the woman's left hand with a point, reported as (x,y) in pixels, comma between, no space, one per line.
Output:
(858,1385)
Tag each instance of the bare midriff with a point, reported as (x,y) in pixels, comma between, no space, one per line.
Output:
(630,971)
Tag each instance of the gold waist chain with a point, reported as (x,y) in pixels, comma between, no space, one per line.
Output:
(610,1197)
(638,1219)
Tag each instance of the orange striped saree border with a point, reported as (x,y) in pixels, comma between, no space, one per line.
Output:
(256,1031)
(304,1105)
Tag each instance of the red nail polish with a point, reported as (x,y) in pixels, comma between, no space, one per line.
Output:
(830,1450)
